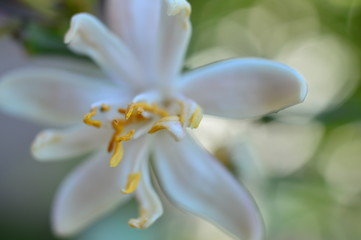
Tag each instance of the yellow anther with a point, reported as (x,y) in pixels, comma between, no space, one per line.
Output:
(130,111)
(132,183)
(157,128)
(196,118)
(168,119)
(126,137)
(158,125)
(104,108)
(117,125)
(116,144)
(122,111)
(141,107)
(117,155)
(87,119)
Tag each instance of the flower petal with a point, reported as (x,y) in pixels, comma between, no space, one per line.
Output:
(242,88)
(51,144)
(175,31)
(172,124)
(151,206)
(87,35)
(195,181)
(88,193)
(52,96)
(91,191)
(133,168)
(69,64)
(167,33)
(136,22)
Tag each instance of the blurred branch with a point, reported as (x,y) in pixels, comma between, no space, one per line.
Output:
(15,9)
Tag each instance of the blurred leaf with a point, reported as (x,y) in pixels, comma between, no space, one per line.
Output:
(76,6)
(40,40)
(45,7)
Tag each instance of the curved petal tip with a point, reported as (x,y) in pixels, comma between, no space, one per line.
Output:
(176,6)
(302,84)
(303,88)
(77,21)
(289,73)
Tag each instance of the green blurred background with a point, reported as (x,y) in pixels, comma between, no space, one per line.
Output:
(302,165)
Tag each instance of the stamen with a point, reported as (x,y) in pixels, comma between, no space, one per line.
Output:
(140,107)
(117,125)
(170,123)
(104,108)
(135,114)
(157,126)
(141,221)
(126,137)
(87,119)
(122,111)
(182,112)
(196,118)
(117,142)
(117,155)
(132,184)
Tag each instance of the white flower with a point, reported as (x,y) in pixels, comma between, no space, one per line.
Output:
(131,116)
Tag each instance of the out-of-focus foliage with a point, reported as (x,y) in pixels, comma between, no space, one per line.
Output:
(302,165)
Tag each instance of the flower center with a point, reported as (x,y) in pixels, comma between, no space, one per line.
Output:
(139,118)
(142,117)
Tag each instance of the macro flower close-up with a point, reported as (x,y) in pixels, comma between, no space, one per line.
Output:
(132,119)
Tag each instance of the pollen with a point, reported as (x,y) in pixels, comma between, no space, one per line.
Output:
(132,184)
(88,121)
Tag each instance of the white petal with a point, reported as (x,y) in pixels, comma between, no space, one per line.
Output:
(191,113)
(195,181)
(87,194)
(52,96)
(69,64)
(173,126)
(244,87)
(87,35)
(161,44)
(136,22)
(53,144)
(149,97)
(175,32)
(139,155)
(151,206)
